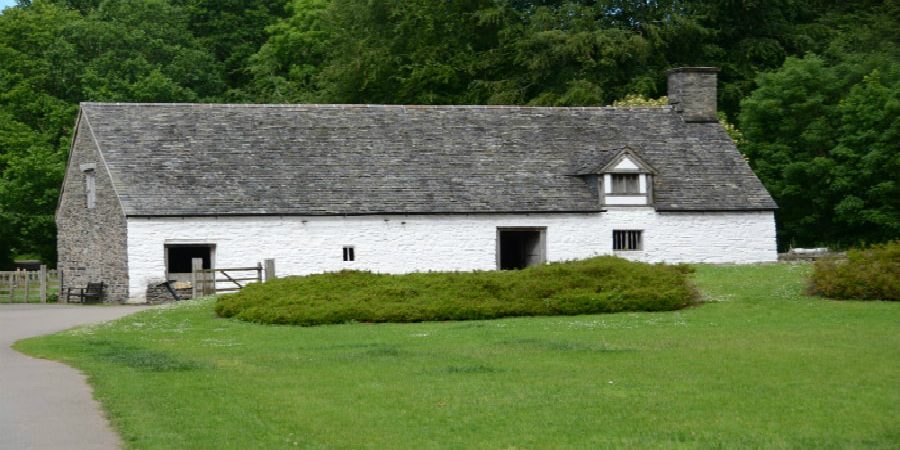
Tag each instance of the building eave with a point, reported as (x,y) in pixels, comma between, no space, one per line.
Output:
(362,214)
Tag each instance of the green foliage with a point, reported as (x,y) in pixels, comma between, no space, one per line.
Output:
(287,65)
(804,123)
(233,31)
(604,284)
(523,52)
(409,51)
(825,139)
(29,186)
(6,256)
(640,101)
(54,57)
(867,274)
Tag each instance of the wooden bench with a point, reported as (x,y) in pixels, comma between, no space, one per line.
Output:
(93,292)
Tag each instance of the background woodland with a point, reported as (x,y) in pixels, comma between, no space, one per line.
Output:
(812,86)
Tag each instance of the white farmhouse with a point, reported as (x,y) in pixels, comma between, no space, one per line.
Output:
(396,189)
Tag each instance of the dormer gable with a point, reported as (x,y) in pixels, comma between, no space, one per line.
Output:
(627,180)
(626,164)
(626,161)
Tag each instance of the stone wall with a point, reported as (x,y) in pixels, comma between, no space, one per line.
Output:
(400,244)
(91,241)
(158,293)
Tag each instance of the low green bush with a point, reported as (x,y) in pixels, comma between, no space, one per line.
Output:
(866,274)
(597,285)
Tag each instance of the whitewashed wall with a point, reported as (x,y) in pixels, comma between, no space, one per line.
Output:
(398,244)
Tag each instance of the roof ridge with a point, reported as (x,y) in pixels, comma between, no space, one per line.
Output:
(665,108)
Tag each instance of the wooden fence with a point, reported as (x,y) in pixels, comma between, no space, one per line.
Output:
(28,286)
(810,254)
(214,281)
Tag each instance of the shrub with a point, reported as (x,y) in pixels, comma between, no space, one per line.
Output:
(597,285)
(866,274)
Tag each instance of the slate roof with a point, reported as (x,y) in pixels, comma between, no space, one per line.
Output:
(213,159)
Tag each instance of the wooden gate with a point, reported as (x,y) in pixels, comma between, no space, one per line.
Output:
(28,286)
(214,281)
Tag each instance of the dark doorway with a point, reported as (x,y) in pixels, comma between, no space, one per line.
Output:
(179,257)
(520,247)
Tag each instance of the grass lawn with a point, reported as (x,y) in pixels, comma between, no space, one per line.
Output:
(759,365)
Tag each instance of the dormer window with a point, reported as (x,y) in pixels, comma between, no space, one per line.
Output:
(619,177)
(625,183)
(626,180)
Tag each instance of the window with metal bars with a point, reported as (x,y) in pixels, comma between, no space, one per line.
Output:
(625,184)
(627,240)
(349,254)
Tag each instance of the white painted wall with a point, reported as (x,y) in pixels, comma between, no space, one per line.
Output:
(399,244)
(625,200)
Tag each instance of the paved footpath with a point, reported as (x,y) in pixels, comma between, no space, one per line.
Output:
(45,404)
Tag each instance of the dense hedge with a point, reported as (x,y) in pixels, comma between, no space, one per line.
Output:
(868,274)
(597,285)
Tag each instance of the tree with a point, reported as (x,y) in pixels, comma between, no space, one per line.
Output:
(824,139)
(413,51)
(806,122)
(233,31)
(286,68)
(55,56)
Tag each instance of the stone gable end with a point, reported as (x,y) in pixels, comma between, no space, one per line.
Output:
(91,241)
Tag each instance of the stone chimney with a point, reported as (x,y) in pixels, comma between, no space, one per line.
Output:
(692,92)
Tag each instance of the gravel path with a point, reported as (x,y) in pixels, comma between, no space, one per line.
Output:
(45,404)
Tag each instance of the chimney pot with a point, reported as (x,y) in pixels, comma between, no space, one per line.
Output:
(692,92)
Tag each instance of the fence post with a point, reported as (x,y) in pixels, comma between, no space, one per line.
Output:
(43,276)
(209,285)
(12,286)
(270,268)
(196,267)
(27,284)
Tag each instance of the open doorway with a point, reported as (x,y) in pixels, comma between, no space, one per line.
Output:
(179,257)
(518,248)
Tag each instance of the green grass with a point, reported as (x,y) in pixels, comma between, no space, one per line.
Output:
(758,366)
(597,285)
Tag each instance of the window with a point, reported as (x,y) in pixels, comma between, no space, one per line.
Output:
(90,188)
(349,254)
(625,184)
(627,240)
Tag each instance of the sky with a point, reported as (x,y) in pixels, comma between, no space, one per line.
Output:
(5,3)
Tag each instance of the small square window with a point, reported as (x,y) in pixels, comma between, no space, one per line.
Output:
(625,184)
(627,240)
(349,254)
